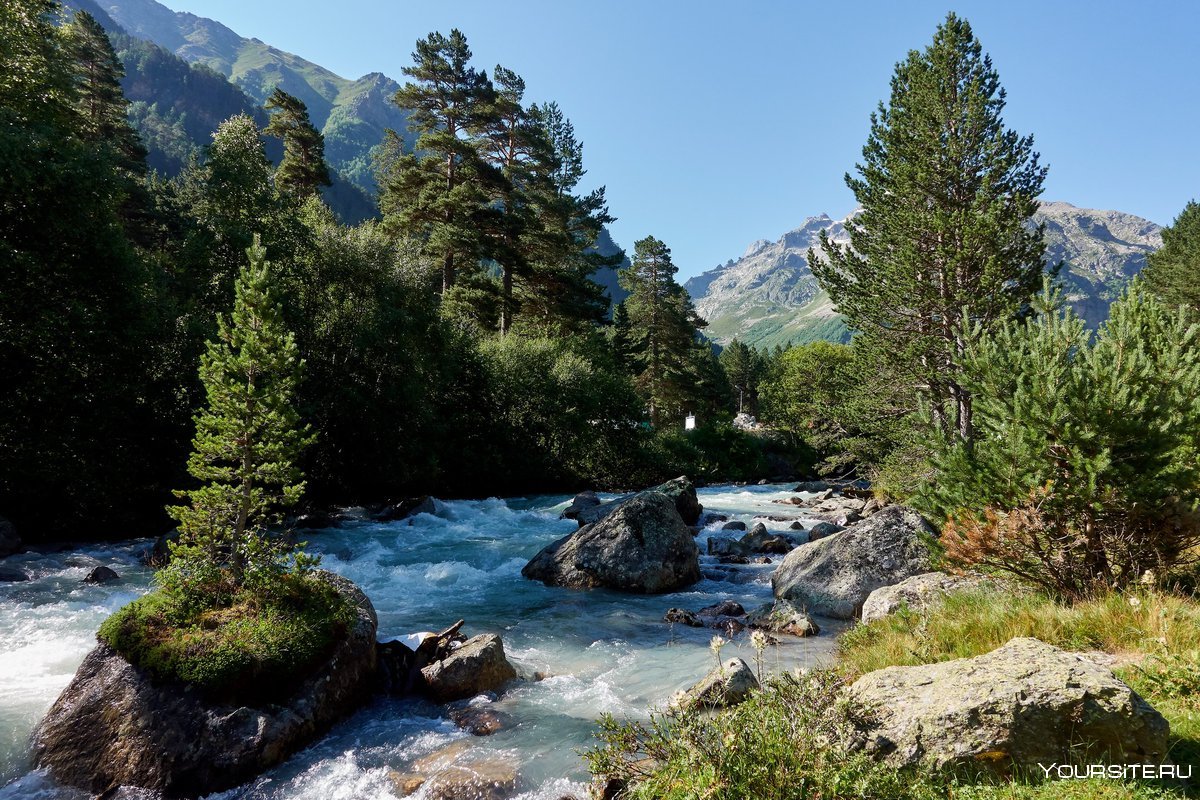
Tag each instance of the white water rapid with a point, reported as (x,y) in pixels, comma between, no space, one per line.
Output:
(603,651)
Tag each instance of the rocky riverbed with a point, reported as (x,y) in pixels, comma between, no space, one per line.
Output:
(579,653)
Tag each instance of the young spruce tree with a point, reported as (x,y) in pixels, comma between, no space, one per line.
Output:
(946,194)
(248,437)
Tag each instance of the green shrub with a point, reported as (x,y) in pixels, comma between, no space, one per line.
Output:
(241,647)
(1083,474)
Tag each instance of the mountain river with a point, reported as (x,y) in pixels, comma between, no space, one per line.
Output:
(602,651)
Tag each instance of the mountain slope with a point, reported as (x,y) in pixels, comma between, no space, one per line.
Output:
(769,296)
(352,114)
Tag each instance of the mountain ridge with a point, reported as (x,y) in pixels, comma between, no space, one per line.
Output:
(351,113)
(770,297)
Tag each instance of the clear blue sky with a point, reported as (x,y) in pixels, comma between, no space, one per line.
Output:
(715,124)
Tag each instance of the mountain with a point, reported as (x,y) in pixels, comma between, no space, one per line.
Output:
(769,296)
(186,74)
(352,114)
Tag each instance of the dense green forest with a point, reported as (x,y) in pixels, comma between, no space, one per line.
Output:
(457,344)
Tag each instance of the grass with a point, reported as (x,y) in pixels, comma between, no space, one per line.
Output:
(1128,626)
(777,745)
(249,649)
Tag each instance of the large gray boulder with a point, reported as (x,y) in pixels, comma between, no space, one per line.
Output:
(643,546)
(113,726)
(475,667)
(919,593)
(10,542)
(1023,704)
(834,576)
(680,489)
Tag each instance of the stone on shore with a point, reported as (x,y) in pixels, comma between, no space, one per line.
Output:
(1023,704)
(834,576)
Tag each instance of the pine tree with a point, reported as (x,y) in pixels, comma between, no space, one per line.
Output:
(1173,271)
(512,144)
(662,330)
(303,170)
(745,367)
(946,194)
(557,293)
(439,193)
(248,438)
(99,98)
(1088,443)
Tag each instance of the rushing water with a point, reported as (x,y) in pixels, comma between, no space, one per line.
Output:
(602,651)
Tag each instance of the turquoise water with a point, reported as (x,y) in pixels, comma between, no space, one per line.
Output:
(602,651)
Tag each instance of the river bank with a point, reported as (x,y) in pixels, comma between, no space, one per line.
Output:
(598,651)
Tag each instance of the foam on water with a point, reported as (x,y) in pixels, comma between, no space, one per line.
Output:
(601,651)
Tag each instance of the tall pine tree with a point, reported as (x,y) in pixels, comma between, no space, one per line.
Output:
(303,170)
(661,330)
(946,194)
(439,193)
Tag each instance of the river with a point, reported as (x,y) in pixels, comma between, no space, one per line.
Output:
(602,651)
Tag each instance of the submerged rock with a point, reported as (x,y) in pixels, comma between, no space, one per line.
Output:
(476,666)
(833,577)
(10,542)
(112,726)
(643,546)
(681,616)
(726,685)
(12,575)
(1023,704)
(409,507)
(480,720)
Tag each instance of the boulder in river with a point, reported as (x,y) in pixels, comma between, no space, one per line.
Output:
(736,525)
(681,616)
(580,502)
(833,577)
(409,507)
(10,542)
(783,617)
(476,666)
(102,575)
(727,684)
(919,592)
(720,546)
(12,575)
(681,490)
(725,608)
(112,726)
(1023,704)
(643,546)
